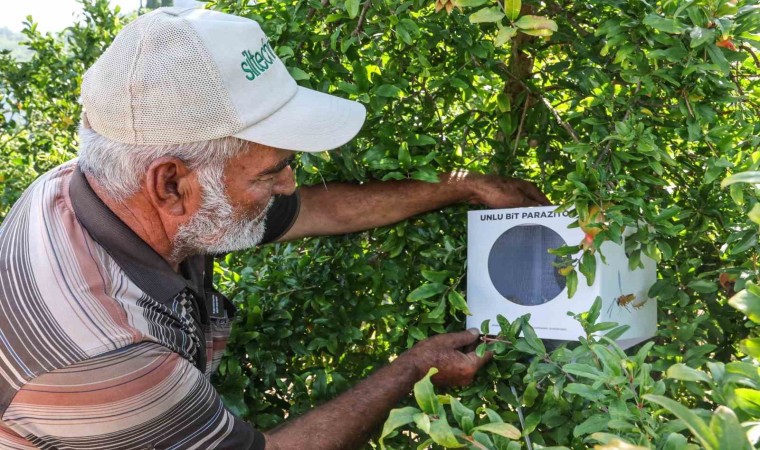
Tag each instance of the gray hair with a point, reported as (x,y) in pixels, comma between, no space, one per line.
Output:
(118,168)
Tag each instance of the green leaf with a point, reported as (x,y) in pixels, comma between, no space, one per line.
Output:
(748,400)
(718,58)
(697,426)
(442,434)
(463,415)
(388,90)
(404,158)
(499,428)
(485,326)
(503,102)
(585,391)
(582,370)
(471,3)
(742,177)
(533,341)
(588,267)
(751,347)
(426,174)
(595,310)
(528,22)
(572,283)
(737,194)
(659,23)
(701,35)
(703,286)
(422,421)
(504,35)
(397,418)
(436,276)
(530,394)
(425,394)
(352,7)
(683,372)
(457,302)
(512,8)
(727,429)
(427,290)
(754,214)
(747,302)
(437,312)
(591,425)
(485,15)
(421,140)
(540,32)
(298,74)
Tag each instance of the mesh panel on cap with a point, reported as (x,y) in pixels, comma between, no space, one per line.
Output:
(157,84)
(179,96)
(106,87)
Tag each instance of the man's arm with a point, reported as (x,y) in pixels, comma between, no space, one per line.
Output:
(145,396)
(346,422)
(339,208)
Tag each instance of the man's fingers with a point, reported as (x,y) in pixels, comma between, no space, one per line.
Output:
(533,193)
(462,338)
(480,361)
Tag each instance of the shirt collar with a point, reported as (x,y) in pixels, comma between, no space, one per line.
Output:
(146,268)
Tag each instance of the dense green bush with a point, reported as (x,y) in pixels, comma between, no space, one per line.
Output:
(639,107)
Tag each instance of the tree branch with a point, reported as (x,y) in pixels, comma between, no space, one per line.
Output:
(362,16)
(559,120)
(522,121)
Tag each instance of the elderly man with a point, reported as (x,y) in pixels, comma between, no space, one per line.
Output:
(110,325)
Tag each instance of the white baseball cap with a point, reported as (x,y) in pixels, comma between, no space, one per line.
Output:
(182,75)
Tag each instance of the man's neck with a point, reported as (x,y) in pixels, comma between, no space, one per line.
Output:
(139,215)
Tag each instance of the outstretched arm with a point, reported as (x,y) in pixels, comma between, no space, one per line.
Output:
(339,208)
(346,422)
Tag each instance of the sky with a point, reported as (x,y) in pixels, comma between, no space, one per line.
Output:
(51,15)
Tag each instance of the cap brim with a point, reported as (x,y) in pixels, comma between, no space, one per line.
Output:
(309,122)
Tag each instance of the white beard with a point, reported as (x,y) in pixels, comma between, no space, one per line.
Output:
(216,228)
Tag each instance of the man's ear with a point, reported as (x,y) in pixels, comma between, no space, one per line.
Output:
(171,186)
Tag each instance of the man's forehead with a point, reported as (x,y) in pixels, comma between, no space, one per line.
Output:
(262,151)
(257,158)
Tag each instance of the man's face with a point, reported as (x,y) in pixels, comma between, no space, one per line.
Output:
(234,202)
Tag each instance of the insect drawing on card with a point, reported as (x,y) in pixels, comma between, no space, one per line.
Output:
(625,301)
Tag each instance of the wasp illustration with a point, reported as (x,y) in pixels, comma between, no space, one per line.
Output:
(625,300)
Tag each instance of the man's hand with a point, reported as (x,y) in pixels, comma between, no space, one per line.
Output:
(346,422)
(452,354)
(497,192)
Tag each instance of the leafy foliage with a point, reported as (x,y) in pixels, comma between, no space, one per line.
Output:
(635,109)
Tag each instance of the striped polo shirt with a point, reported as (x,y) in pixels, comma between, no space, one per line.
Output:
(102,344)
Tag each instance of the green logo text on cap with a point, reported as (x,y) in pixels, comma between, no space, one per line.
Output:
(256,63)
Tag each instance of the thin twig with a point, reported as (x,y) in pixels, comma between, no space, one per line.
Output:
(11,138)
(503,69)
(309,16)
(522,121)
(738,86)
(749,49)
(362,16)
(559,120)
(688,105)
(313,10)
(522,419)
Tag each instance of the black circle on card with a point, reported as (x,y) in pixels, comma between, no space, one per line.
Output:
(521,267)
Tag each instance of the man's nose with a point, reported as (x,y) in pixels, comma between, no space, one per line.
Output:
(285,184)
